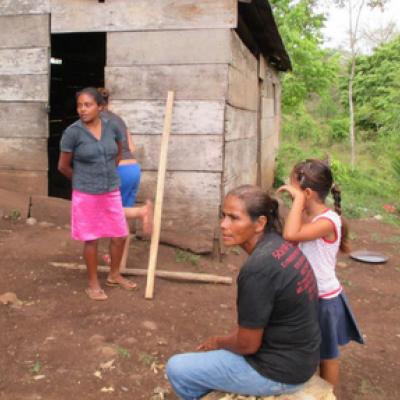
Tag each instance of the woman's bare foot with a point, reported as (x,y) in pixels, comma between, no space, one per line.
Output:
(147,218)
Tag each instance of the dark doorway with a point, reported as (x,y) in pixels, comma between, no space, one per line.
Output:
(77,61)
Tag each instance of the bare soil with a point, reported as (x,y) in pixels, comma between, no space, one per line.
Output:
(58,344)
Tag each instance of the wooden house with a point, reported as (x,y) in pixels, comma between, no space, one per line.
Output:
(221,57)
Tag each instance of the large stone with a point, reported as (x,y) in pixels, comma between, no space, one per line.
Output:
(315,389)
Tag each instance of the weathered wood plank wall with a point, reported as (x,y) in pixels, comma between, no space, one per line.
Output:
(151,82)
(24,61)
(14,7)
(23,120)
(184,222)
(185,152)
(240,163)
(152,47)
(270,117)
(195,64)
(200,46)
(24,81)
(215,125)
(190,117)
(141,15)
(19,31)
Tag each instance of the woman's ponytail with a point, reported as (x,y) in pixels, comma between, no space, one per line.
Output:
(274,222)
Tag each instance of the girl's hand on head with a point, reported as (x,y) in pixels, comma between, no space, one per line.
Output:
(293,191)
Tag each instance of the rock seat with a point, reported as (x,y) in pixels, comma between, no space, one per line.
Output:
(315,389)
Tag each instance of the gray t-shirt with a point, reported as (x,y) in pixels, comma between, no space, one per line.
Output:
(94,168)
(126,152)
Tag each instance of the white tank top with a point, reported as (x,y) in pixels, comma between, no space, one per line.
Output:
(322,255)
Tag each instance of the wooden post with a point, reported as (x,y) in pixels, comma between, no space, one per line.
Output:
(125,253)
(155,237)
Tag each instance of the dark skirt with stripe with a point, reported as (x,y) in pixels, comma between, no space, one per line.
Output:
(338,326)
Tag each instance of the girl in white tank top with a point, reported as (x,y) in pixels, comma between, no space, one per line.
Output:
(321,233)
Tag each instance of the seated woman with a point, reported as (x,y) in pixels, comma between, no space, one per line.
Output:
(274,348)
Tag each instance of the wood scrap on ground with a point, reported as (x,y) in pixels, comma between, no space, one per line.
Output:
(173,275)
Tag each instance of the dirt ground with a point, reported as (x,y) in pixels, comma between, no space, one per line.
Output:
(57,344)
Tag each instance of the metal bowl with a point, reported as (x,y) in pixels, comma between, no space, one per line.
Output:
(370,257)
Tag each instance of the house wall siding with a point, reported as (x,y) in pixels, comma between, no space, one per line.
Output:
(24,82)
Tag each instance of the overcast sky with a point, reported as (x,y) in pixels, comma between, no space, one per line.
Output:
(336,29)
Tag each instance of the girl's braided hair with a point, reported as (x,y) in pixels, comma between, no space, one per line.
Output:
(317,176)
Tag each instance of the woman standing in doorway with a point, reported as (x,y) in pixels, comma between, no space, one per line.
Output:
(90,150)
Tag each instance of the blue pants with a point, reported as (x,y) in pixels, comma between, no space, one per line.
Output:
(193,375)
(129,175)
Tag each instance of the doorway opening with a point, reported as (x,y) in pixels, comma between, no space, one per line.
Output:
(77,61)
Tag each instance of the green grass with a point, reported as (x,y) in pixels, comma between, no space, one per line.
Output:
(122,352)
(185,256)
(366,189)
(147,358)
(15,215)
(387,240)
(36,367)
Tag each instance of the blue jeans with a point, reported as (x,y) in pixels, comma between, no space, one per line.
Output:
(193,375)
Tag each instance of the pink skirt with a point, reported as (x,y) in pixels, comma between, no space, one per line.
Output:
(96,216)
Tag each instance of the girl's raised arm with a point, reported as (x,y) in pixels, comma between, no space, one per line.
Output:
(295,229)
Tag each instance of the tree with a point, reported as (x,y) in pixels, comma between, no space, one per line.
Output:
(354,9)
(377,90)
(374,37)
(314,68)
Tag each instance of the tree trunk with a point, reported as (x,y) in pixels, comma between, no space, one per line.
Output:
(351,114)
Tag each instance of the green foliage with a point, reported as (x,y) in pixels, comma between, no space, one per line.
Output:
(122,352)
(315,120)
(15,215)
(396,167)
(300,124)
(147,358)
(185,256)
(377,90)
(365,189)
(36,367)
(314,69)
(339,128)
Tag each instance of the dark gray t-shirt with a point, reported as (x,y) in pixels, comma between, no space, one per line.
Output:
(277,292)
(94,168)
(126,152)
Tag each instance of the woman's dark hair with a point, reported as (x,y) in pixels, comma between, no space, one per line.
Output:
(317,175)
(93,92)
(258,203)
(105,94)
